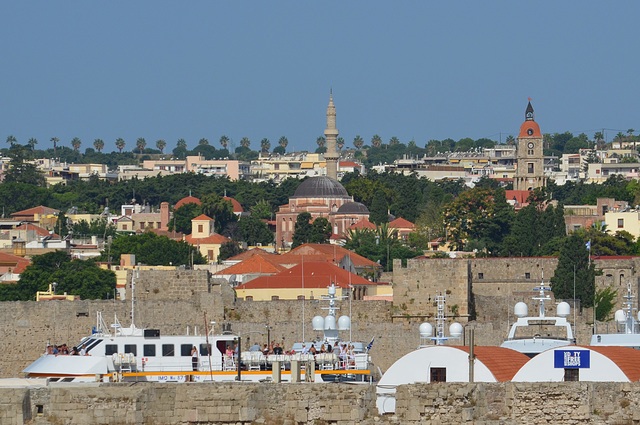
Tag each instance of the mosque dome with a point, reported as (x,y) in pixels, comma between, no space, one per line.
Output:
(187,200)
(321,187)
(353,208)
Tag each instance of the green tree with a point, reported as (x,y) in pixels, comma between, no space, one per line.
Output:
(12,140)
(55,141)
(262,210)
(358,142)
(182,217)
(154,250)
(394,141)
(120,144)
(62,224)
(245,142)
(141,143)
(253,231)
(340,143)
(76,143)
(605,301)
(20,169)
(379,212)
(228,250)
(283,142)
(265,145)
(224,141)
(32,143)
(302,230)
(321,141)
(574,254)
(181,144)
(203,142)
(376,141)
(98,144)
(320,231)
(161,144)
(219,209)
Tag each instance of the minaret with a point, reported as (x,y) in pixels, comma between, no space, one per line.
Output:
(331,134)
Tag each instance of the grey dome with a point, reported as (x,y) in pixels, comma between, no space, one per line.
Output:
(353,208)
(321,187)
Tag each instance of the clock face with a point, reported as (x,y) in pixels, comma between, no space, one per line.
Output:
(530,145)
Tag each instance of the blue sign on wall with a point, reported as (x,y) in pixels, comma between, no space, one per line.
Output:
(572,359)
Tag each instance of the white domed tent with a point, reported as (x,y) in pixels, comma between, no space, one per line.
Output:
(442,363)
(580,363)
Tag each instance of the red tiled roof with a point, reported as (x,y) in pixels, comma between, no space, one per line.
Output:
(237,208)
(36,210)
(519,195)
(187,200)
(325,252)
(18,263)
(317,274)
(503,363)
(202,217)
(253,264)
(250,253)
(402,223)
(39,230)
(348,164)
(176,236)
(626,358)
(213,239)
(363,224)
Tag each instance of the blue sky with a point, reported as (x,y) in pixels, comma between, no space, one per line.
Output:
(414,70)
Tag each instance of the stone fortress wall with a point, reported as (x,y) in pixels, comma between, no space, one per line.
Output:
(321,404)
(484,290)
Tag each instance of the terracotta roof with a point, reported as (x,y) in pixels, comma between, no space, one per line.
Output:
(519,195)
(503,363)
(626,358)
(36,210)
(202,217)
(363,224)
(176,236)
(329,253)
(187,200)
(213,239)
(317,274)
(19,263)
(237,208)
(402,223)
(254,264)
(250,253)
(39,230)
(348,164)
(530,125)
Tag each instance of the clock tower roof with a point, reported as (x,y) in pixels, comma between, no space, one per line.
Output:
(529,127)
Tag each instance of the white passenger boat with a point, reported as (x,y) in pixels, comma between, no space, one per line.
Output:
(628,332)
(532,335)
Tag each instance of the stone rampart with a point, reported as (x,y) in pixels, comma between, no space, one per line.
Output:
(315,404)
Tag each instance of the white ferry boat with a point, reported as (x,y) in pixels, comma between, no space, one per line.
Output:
(628,332)
(532,335)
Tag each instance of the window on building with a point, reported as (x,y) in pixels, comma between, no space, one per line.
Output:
(527,275)
(438,374)
(571,375)
(210,254)
(168,350)
(301,297)
(275,298)
(131,348)
(124,227)
(480,275)
(205,349)
(249,298)
(200,228)
(149,350)
(530,168)
(142,223)
(110,349)
(620,223)
(530,151)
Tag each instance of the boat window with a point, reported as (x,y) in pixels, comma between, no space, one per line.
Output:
(185,350)
(168,350)
(205,349)
(131,348)
(571,375)
(149,350)
(438,374)
(110,349)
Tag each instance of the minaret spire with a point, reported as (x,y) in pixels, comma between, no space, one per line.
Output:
(331,134)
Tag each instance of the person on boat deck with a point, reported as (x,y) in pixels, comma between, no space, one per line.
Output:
(229,351)
(343,351)
(49,349)
(277,349)
(329,348)
(255,347)
(55,350)
(305,349)
(323,349)
(313,350)
(74,352)
(194,358)
(265,350)
(83,350)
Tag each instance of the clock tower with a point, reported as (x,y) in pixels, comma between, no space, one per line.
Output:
(529,155)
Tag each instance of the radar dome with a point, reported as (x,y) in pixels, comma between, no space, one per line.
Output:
(455,330)
(620,316)
(330,323)
(332,290)
(521,309)
(318,323)
(563,309)
(425,330)
(344,323)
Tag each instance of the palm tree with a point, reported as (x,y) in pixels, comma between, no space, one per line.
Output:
(599,137)
(394,141)
(265,144)
(376,141)
(32,143)
(161,144)
(245,142)
(98,144)
(340,143)
(358,142)
(75,143)
(203,142)
(224,141)
(511,140)
(120,143)
(283,142)
(321,141)
(55,141)
(181,143)
(141,144)
(630,131)
(11,140)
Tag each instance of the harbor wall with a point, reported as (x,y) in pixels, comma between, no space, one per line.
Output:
(321,404)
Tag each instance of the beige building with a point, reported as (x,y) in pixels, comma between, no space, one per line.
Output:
(205,238)
(231,168)
(623,220)
(529,155)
